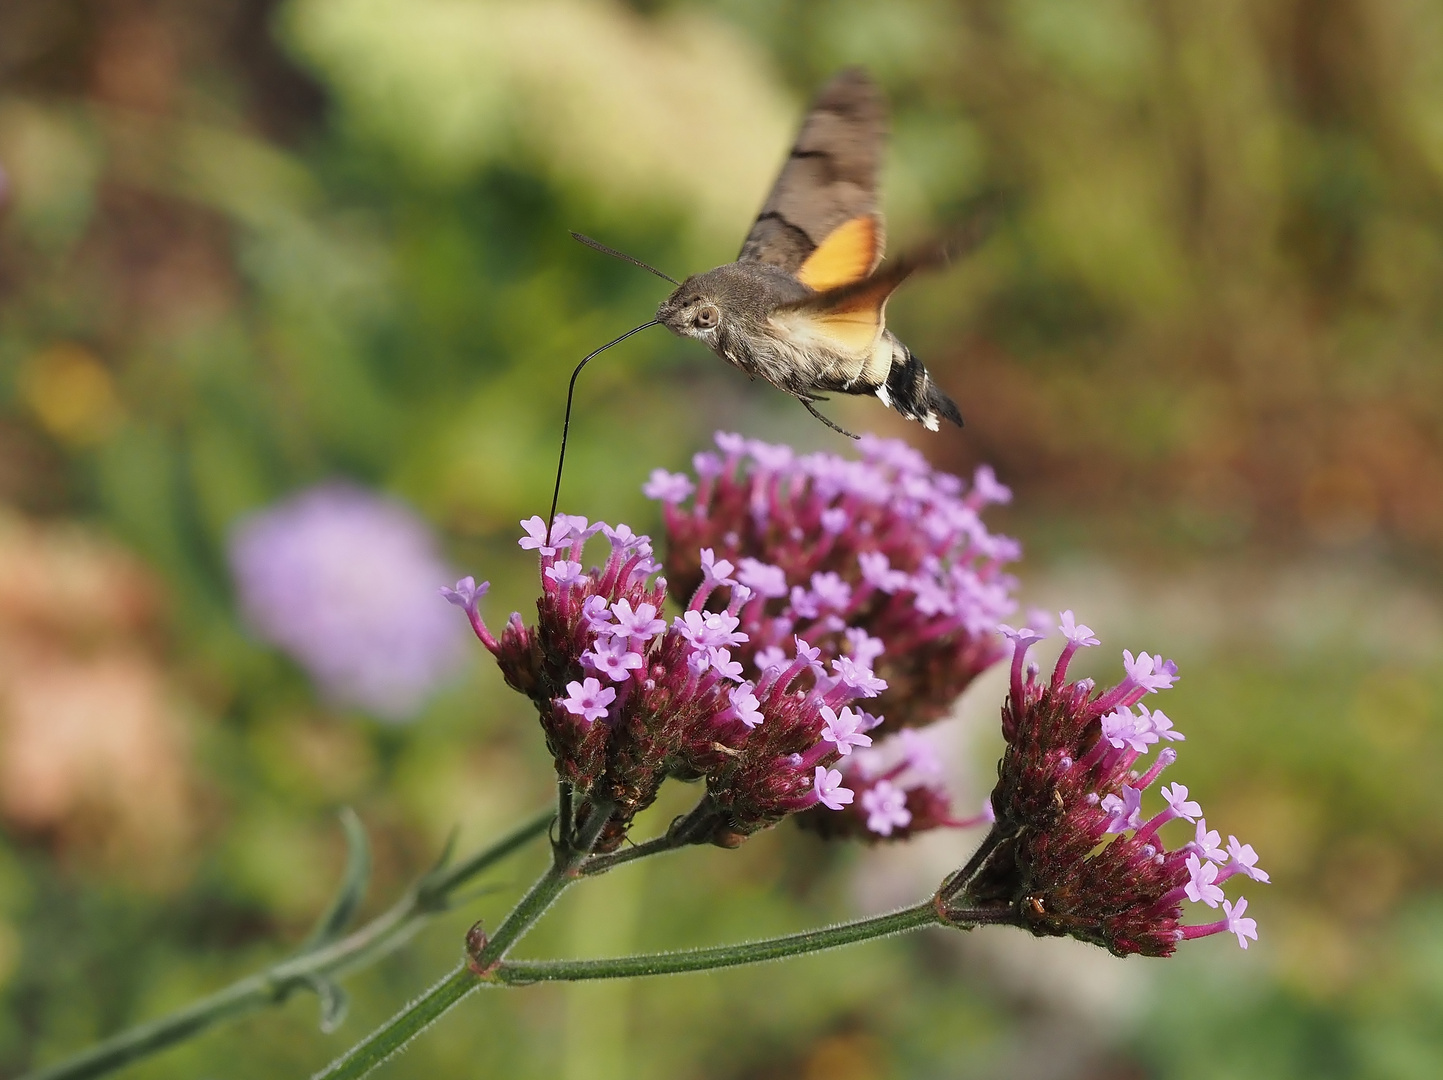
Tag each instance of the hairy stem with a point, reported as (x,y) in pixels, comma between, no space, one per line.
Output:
(568,855)
(276,983)
(599,864)
(750,952)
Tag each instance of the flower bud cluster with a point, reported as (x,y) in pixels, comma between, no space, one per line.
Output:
(881,564)
(627,699)
(1071,852)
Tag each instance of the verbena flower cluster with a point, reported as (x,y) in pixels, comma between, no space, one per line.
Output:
(822,595)
(884,559)
(627,699)
(340,579)
(1071,852)
(772,675)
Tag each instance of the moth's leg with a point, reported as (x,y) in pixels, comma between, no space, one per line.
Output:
(807,404)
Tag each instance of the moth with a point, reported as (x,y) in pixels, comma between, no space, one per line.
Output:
(804,305)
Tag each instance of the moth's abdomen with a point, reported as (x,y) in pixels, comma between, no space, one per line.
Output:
(910,390)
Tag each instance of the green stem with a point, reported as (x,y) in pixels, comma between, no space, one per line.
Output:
(751,952)
(276,983)
(435,1002)
(599,864)
(694,828)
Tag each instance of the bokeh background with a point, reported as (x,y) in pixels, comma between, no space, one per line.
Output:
(251,247)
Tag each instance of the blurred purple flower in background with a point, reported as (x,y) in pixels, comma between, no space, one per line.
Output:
(343,581)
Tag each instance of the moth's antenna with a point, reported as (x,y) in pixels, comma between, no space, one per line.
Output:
(566,424)
(589,242)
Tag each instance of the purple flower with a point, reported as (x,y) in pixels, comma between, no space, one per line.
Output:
(679,705)
(1245,861)
(343,581)
(466,594)
(565,573)
(831,591)
(863,647)
(588,699)
(745,706)
(1024,635)
(715,571)
(641,623)
(667,487)
(1178,803)
(828,787)
(765,580)
(1076,632)
(1150,673)
(1122,729)
(877,571)
(720,661)
(536,538)
(612,658)
(919,754)
(1208,843)
(986,489)
(1200,887)
(1236,924)
(714,629)
(884,546)
(622,539)
(1125,811)
(858,676)
(707,464)
(1158,723)
(843,730)
(771,657)
(1070,852)
(886,807)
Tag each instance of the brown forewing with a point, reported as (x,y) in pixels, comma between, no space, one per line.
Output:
(830,176)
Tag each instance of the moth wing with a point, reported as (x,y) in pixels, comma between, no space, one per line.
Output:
(829,179)
(853,313)
(849,253)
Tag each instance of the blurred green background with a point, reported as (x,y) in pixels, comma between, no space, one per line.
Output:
(246,247)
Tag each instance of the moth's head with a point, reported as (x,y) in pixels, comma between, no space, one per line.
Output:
(696,309)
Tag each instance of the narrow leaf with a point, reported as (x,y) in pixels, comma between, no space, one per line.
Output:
(353,884)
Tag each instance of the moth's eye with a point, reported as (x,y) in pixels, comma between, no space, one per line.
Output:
(706,317)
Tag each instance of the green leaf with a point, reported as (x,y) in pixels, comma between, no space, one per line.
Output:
(352,890)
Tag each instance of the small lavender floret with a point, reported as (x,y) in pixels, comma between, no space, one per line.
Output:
(829,790)
(668,487)
(588,700)
(1200,887)
(886,807)
(1237,924)
(1243,859)
(843,730)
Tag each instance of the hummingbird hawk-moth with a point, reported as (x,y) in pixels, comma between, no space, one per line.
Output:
(804,305)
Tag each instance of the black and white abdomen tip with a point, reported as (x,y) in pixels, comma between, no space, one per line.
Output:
(910,390)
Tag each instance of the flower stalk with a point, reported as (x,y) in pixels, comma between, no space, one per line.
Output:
(523,972)
(429,896)
(486,953)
